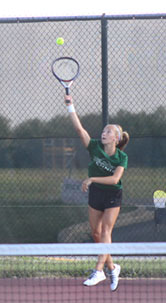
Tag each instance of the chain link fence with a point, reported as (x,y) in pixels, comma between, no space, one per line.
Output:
(42,162)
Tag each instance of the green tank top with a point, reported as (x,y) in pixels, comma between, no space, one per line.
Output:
(103,165)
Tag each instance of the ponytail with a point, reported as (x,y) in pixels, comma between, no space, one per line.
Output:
(123,141)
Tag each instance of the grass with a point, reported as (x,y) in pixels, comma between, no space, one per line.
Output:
(30,186)
(140,183)
(62,268)
(23,186)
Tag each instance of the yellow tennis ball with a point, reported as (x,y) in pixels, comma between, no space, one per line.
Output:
(60,41)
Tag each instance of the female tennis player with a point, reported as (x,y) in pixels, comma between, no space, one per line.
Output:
(106,169)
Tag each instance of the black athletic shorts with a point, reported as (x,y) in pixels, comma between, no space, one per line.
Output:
(102,199)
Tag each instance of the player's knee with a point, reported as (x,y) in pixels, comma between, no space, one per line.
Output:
(106,231)
(96,235)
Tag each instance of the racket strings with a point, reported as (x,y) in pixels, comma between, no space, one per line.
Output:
(66,70)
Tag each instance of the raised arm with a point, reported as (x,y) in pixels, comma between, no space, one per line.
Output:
(83,134)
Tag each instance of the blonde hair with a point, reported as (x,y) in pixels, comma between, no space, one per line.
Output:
(123,137)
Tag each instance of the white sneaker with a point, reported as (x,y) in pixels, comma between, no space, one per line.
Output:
(114,276)
(95,277)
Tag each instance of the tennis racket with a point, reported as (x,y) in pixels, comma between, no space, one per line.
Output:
(65,70)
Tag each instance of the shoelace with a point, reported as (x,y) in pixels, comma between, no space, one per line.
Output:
(93,274)
(112,276)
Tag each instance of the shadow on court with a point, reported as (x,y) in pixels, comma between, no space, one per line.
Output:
(65,290)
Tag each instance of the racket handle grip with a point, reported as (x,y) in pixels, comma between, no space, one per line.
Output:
(67,91)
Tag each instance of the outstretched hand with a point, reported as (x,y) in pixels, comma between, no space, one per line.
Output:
(86,184)
(68,100)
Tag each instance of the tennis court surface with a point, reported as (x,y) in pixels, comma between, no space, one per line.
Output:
(55,273)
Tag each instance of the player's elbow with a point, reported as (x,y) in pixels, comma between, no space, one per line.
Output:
(115,180)
(79,130)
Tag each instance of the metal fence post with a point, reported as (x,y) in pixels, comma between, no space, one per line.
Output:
(104,70)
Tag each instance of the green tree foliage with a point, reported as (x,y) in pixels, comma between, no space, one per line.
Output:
(5,130)
(142,124)
(59,127)
(26,147)
(29,129)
